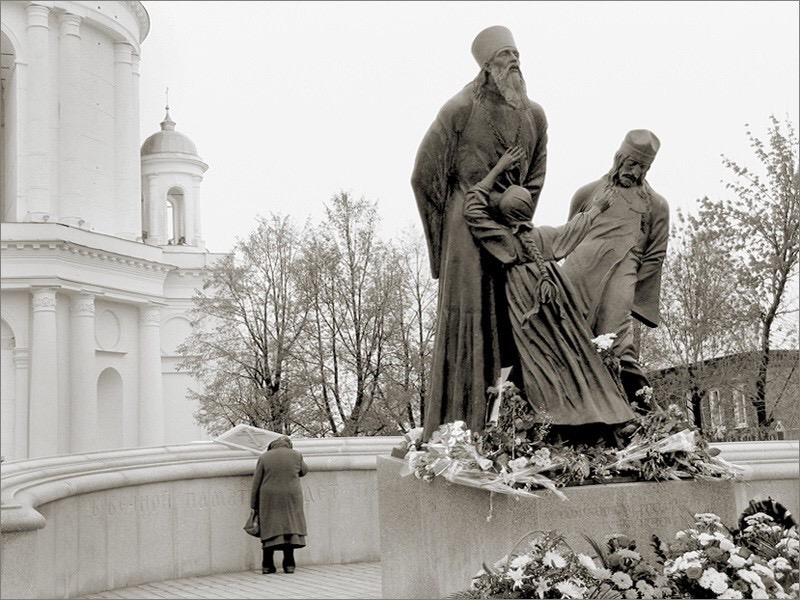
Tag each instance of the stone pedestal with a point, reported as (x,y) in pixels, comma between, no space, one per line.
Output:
(435,535)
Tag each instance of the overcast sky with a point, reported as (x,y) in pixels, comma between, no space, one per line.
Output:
(292,102)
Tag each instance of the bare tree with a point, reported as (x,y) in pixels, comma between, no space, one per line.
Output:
(246,321)
(407,379)
(349,278)
(702,315)
(760,228)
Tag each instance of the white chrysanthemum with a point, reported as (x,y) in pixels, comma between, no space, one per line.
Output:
(752,578)
(647,590)
(731,594)
(759,594)
(736,561)
(707,518)
(691,556)
(705,539)
(541,457)
(520,561)
(714,580)
(622,580)
(710,576)
(726,545)
(625,553)
(554,559)
(779,564)
(790,546)
(602,574)
(587,561)
(570,589)
(630,594)
(762,570)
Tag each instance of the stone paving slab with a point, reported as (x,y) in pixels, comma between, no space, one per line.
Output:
(342,582)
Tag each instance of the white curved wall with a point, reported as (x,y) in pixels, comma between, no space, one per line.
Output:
(84,523)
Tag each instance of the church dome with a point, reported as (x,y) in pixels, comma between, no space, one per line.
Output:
(168,140)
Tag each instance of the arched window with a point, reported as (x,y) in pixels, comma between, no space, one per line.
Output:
(175,229)
(109,409)
(7,391)
(170,228)
(739,409)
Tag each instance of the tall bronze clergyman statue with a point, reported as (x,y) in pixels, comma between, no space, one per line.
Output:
(616,269)
(471,132)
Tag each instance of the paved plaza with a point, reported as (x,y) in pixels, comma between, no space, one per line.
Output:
(355,580)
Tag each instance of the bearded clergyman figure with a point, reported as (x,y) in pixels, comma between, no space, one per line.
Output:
(471,132)
(616,269)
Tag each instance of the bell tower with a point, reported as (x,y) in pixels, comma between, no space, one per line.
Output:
(172,173)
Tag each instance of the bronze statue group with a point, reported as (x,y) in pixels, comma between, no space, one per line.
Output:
(504,300)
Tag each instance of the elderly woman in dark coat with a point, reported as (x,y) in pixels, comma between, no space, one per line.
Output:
(277,496)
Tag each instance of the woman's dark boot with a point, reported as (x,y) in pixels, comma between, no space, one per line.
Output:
(288,559)
(267,561)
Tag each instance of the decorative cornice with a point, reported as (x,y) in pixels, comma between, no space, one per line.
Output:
(91,253)
(141,15)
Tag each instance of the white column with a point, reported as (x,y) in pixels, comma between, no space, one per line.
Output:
(43,419)
(21,401)
(156,212)
(126,128)
(82,376)
(38,153)
(151,387)
(135,108)
(69,130)
(196,238)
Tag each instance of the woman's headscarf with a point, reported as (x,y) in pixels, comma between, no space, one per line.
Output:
(281,442)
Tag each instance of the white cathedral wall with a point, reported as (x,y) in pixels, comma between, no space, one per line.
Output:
(72,115)
(115,377)
(117,338)
(71,151)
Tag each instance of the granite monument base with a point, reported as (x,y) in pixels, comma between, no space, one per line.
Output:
(435,535)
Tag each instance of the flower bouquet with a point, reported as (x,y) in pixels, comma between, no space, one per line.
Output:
(515,454)
(708,560)
(711,561)
(540,565)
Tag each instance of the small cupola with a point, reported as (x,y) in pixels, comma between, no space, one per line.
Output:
(172,172)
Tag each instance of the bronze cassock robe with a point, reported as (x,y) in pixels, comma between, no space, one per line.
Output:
(473,335)
(616,269)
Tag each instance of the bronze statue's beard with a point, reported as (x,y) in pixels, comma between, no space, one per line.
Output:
(511,85)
